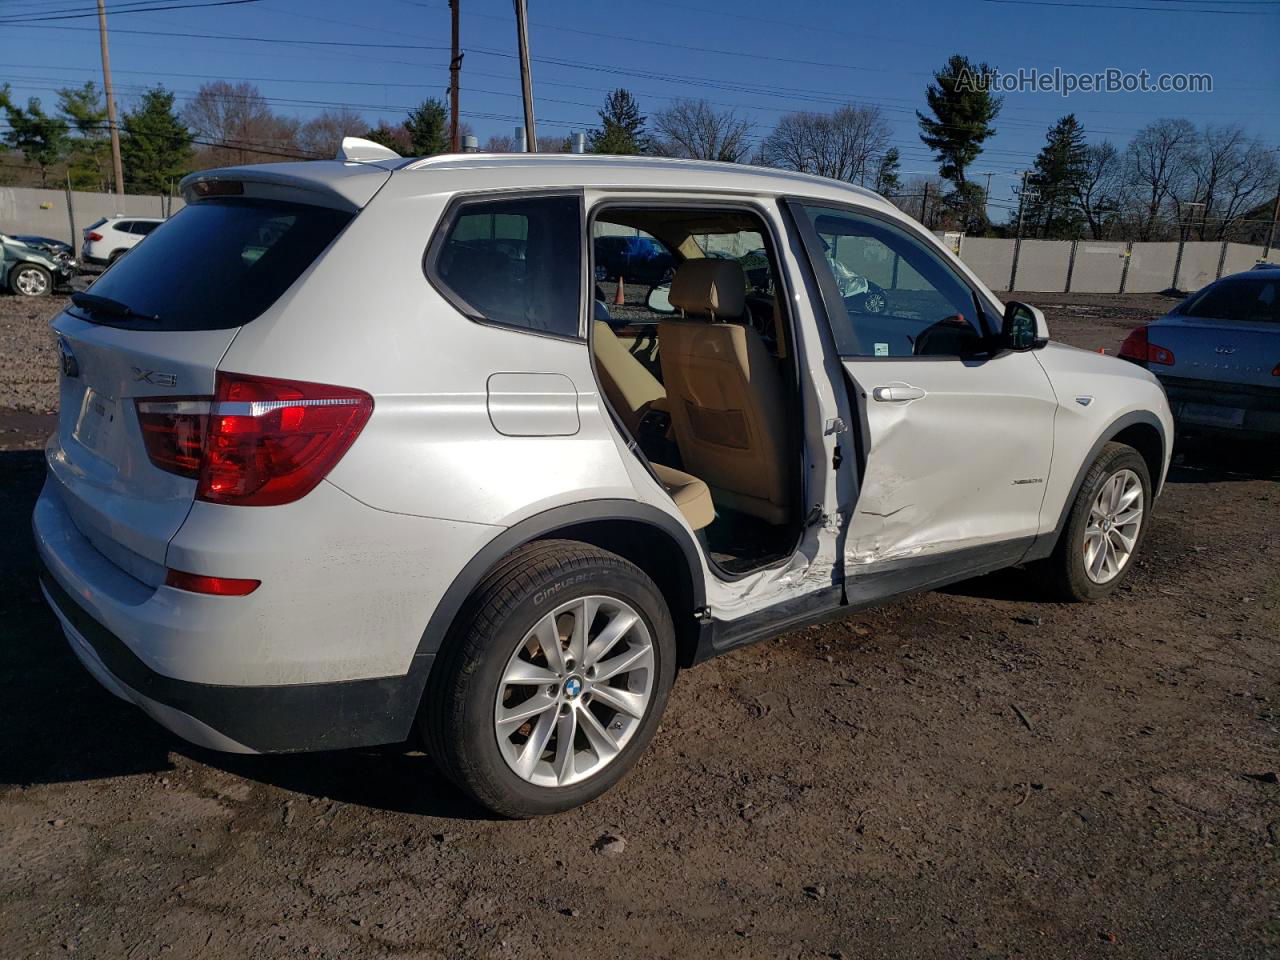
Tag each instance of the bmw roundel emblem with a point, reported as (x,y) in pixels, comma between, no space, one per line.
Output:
(572,687)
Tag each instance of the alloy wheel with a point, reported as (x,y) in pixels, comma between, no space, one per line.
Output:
(575,691)
(1111,532)
(31,282)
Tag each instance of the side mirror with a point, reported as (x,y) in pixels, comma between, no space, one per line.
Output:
(659,299)
(1024,327)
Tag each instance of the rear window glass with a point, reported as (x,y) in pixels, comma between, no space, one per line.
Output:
(217,264)
(1238,299)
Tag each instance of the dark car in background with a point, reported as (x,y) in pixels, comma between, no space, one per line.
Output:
(636,259)
(1217,354)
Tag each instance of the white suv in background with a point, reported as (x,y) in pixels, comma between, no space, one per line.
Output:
(483,503)
(111,238)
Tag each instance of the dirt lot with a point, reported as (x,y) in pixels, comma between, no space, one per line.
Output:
(960,774)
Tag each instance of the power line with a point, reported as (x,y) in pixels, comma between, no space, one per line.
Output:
(1117,6)
(116,12)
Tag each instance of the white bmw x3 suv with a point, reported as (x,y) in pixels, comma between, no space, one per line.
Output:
(355,451)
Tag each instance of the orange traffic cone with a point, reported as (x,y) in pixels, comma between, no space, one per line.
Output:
(620,295)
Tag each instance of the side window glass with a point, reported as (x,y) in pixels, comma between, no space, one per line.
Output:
(899,297)
(125,226)
(144,227)
(515,262)
(631,260)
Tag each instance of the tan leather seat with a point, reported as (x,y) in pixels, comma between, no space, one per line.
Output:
(690,494)
(724,392)
(630,388)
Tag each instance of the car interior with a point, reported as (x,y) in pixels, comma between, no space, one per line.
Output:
(697,368)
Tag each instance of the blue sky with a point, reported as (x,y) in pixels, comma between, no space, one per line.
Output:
(758,56)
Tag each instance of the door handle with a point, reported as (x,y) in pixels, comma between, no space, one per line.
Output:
(897,393)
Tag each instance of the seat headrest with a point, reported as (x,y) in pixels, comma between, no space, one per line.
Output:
(710,286)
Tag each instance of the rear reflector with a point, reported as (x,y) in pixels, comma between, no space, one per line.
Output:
(215,586)
(259,441)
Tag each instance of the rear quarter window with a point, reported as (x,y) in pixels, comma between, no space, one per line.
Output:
(218,263)
(513,262)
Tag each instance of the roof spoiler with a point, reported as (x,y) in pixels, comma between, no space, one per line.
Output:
(357,149)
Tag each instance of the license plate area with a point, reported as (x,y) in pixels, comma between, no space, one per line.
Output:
(96,421)
(1210,415)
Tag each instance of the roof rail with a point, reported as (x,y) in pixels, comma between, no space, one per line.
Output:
(357,149)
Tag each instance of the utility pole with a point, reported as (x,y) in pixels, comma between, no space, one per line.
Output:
(526,78)
(455,64)
(1022,202)
(111,99)
(1271,230)
(924,207)
(1017,243)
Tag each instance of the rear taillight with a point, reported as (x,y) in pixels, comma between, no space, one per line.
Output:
(1275,372)
(258,441)
(1138,348)
(94,237)
(215,586)
(174,432)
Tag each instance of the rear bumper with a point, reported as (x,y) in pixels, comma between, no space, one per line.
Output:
(1224,409)
(273,672)
(262,719)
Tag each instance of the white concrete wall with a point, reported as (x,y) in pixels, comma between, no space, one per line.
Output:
(29,210)
(1042,265)
(1199,264)
(990,259)
(1151,267)
(1098,267)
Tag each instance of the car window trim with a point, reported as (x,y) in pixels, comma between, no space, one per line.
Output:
(690,200)
(444,227)
(830,294)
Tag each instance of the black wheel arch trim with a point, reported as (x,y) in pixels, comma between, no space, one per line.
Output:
(538,527)
(1044,544)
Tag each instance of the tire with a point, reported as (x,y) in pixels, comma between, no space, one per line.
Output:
(30,280)
(470,692)
(1065,573)
(115,255)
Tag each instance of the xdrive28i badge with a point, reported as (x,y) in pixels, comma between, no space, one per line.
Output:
(70,366)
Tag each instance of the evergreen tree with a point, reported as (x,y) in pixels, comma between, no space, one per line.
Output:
(1053,200)
(41,138)
(155,146)
(428,129)
(90,150)
(963,110)
(888,177)
(621,126)
(393,138)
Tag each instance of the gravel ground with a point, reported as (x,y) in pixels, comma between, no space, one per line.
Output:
(28,353)
(967,773)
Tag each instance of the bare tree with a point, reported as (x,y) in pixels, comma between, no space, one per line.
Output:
(1229,173)
(840,145)
(694,130)
(240,126)
(322,135)
(500,143)
(1158,158)
(1100,189)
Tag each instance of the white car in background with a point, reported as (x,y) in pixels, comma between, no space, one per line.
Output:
(289,511)
(111,238)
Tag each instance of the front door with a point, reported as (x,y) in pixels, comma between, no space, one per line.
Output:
(955,441)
